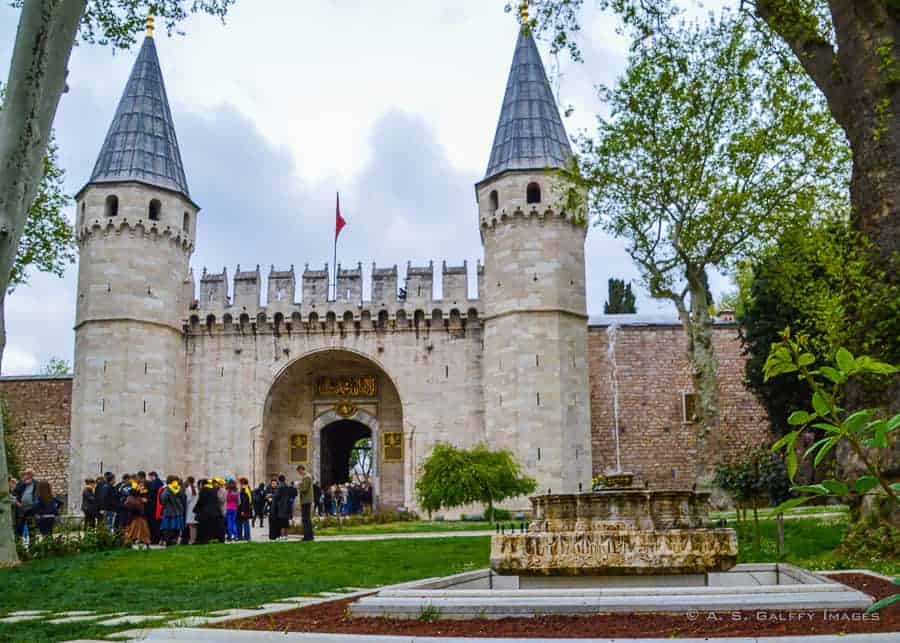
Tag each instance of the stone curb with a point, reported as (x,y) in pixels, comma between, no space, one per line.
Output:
(239,636)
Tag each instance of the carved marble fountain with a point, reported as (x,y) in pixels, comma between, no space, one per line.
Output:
(616,532)
(619,550)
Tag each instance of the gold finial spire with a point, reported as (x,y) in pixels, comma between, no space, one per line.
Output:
(150,25)
(523,12)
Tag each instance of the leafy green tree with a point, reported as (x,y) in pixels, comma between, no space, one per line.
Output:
(754,477)
(57,366)
(850,49)
(620,299)
(361,458)
(454,477)
(712,147)
(37,79)
(869,432)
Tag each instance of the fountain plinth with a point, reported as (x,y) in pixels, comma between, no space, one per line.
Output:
(616,532)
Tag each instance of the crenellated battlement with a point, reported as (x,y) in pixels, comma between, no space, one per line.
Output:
(153,230)
(390,306)
(536,214)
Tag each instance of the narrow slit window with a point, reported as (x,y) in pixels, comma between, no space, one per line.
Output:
(112,205)
(533,193)
(153,211)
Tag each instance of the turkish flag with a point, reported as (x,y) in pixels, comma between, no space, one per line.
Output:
(339,222)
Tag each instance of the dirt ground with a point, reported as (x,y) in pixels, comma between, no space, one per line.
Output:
(332,617)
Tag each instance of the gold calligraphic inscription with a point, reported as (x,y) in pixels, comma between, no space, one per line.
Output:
(392,446)
(347,386)
(345,408)
(300,448)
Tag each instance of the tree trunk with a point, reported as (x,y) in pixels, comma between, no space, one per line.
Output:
(37,79)
(704,373)
(757,540)
(861,82)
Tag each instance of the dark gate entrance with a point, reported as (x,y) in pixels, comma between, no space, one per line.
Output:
(338,439)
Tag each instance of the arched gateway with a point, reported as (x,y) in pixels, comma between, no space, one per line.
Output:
(323,404)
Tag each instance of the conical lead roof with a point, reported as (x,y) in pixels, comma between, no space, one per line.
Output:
(530,134)
(141,144)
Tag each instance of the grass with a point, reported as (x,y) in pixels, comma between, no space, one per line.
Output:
(216,577)
(768,512)
(419,526)
(440,526)
(809,543)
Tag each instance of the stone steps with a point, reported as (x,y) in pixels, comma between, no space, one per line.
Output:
(486,605)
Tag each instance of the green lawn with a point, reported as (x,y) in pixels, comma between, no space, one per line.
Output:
(213,577)
(217,577)
(796,511)
(418,526)
(421,526)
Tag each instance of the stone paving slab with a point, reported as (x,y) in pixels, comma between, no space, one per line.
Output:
(138,634)
(76,619)
(27,613)
(75,613)
(130,619)
(286,606)
(19,619)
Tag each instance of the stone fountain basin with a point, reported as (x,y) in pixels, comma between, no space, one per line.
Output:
(485,594)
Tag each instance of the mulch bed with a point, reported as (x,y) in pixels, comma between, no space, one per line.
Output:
(332,617)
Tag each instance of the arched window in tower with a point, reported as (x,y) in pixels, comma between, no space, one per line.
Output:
(495,201)
(186,223)
(112,205)
(533,193)
(153,211)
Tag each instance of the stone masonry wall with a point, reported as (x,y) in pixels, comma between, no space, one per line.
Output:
(652,371)
(39,410)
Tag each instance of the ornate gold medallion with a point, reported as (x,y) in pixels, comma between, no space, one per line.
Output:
(345,408)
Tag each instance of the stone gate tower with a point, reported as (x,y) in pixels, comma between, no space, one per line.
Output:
(135,230)
(535,331)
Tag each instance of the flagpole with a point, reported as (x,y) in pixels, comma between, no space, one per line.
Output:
(335,268)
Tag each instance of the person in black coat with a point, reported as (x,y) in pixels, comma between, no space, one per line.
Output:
(259,503)
(208,513)
(89,506)
(282,508)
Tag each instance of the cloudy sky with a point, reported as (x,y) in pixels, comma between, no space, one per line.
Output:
(394,104)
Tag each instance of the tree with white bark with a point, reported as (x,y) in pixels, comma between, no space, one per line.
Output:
(45,37)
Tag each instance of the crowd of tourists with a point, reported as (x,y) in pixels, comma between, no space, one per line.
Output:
(343,499)
(149,510)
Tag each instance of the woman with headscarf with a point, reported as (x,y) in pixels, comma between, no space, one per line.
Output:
(138,530)
(173,502)
(209,516)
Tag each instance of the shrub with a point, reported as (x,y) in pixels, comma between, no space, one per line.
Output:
(65,542)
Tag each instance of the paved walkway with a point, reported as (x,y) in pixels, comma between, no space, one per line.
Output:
(261,534)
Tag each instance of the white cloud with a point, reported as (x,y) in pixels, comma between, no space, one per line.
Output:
(394,104)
